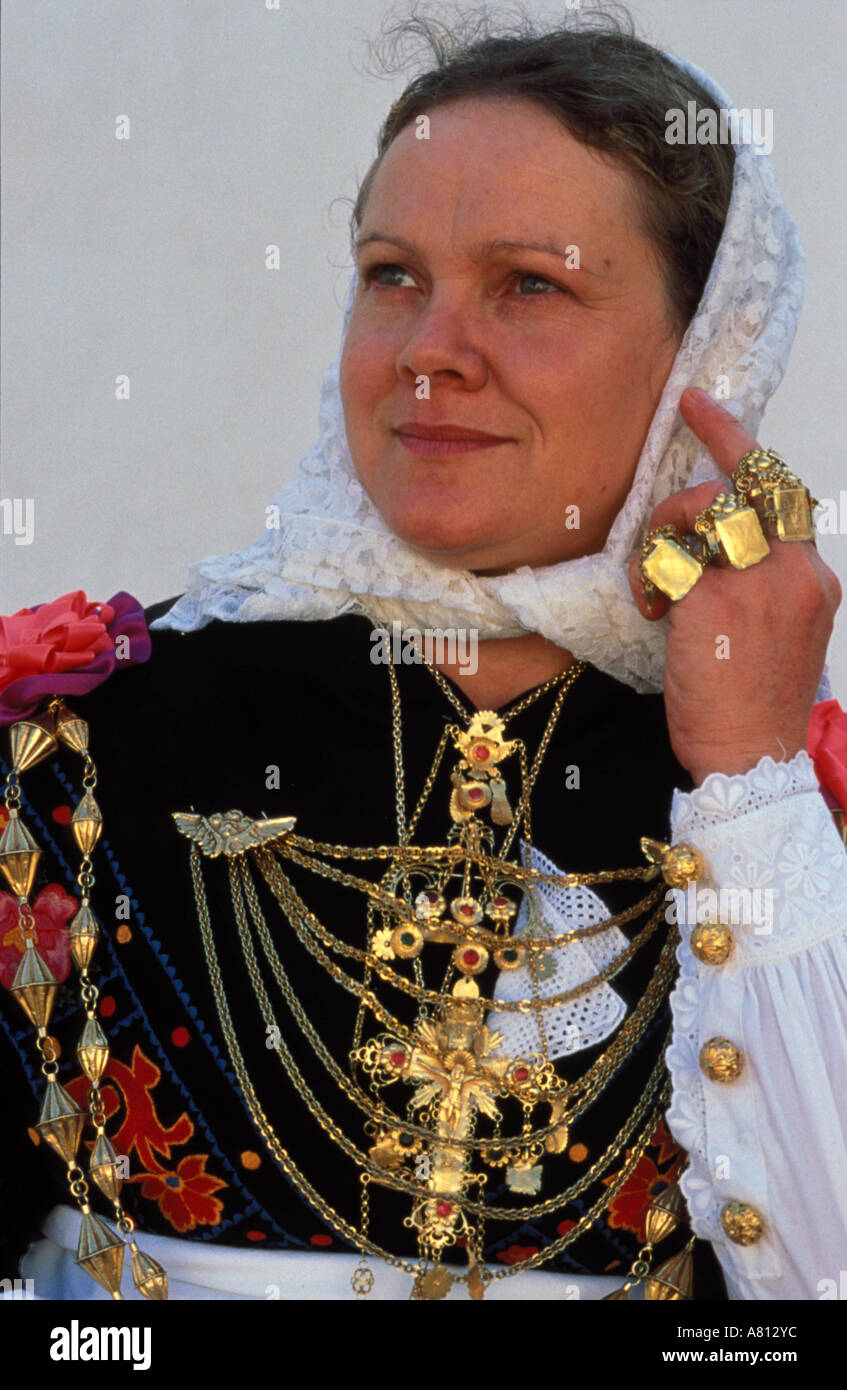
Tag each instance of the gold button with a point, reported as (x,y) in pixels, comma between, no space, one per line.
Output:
(721,1060)
(682,864)
(712,942)
(742,1223)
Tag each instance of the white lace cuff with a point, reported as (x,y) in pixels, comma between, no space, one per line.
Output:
(774,1138)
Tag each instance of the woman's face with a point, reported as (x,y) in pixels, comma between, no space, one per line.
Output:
(504,288)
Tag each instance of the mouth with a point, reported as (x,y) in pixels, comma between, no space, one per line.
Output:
(440,441)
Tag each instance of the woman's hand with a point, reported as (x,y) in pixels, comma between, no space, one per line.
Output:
(746,647)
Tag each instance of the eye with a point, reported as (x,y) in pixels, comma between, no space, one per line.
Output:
(386,268)
(538,279)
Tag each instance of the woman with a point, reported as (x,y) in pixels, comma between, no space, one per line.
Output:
(289,998)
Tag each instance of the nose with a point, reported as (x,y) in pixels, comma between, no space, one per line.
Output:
(444,344)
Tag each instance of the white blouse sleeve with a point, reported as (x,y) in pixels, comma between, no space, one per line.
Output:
(775,1137)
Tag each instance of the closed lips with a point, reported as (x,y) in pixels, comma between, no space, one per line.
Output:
(449,432)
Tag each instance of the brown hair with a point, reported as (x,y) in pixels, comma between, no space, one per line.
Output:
(609,89)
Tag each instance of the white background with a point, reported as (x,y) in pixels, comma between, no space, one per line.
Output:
(146,257)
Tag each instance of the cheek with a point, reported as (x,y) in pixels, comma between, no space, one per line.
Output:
(367,365)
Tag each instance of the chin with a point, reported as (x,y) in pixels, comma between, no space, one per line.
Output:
(479,556)
(456,544)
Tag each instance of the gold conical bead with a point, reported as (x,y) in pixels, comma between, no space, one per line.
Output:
(19,855)
(87,823)
(72,730)
(61,1121)
(104,1168)
(85,933)
(100,1252)
(148,1275)
(665,1214)
(619,1294)
(673,1280)
(34,986)
(93,1050)
(32,740)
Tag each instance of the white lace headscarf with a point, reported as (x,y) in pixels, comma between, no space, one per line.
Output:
(332,553)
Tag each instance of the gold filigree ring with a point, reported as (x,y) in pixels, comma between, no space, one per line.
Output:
(786,505)
(669,564)
(731,530)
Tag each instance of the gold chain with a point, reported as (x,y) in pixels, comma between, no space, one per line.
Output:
(592,1082)
(438,864)
(332,1217)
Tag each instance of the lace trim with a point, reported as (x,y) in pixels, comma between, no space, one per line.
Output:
(764,831)
(547,910)
(724,797)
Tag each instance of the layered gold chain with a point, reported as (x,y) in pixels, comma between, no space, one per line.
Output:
(447,1054)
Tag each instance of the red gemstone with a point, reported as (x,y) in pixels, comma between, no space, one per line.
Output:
(467,910)
(470,957)
(443,1209)
(475,794)
(481,753)
(397,1059)
(501,902)
(520,1073)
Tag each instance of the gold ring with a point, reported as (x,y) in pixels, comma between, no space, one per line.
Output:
(786,503)
(668,563)
(731,529)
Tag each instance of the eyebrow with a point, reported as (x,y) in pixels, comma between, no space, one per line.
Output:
(488,248)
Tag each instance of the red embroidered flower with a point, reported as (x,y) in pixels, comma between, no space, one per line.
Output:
(52,910)
(516,1253)
(184,1197)
(66,647)
(141,1130)
(827,747)
(628,1210)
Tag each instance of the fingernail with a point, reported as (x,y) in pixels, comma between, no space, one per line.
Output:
(701,396)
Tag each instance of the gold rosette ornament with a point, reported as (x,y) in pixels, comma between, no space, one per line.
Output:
(477,782)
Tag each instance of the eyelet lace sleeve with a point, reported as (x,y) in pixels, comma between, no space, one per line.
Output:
(775,1138)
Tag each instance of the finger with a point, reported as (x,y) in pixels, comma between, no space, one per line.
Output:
(681,509)
(726,440)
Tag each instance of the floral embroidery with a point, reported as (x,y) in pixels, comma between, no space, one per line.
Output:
(516,1253)
(52,910)
(141,1129)
(184,1195)
(803,869)
(627,1211)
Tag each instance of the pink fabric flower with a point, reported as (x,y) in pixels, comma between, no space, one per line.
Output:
(66,647)
(827,747)
(52,910)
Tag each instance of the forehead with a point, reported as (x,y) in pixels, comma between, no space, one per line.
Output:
(498,167)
